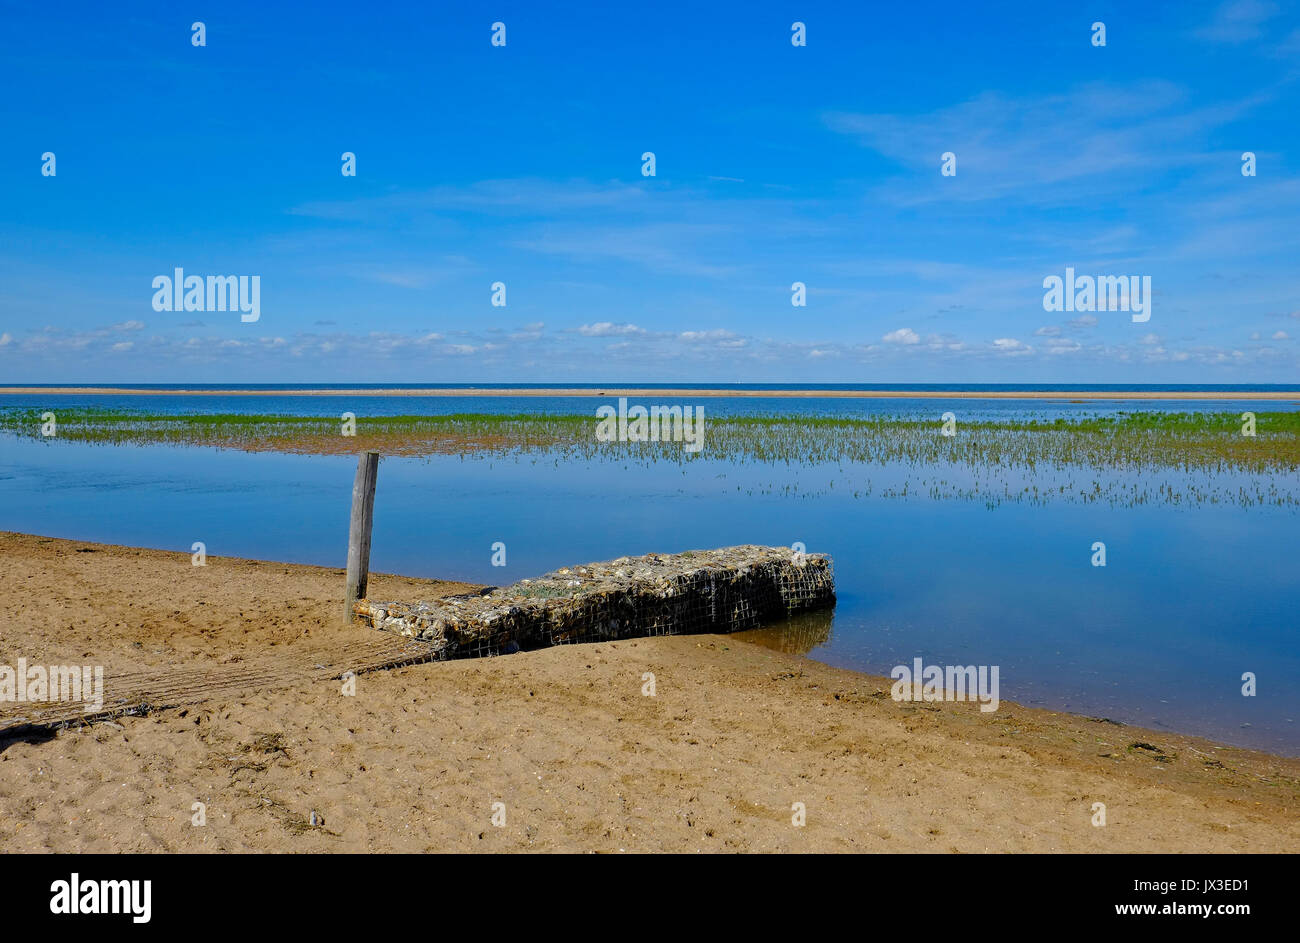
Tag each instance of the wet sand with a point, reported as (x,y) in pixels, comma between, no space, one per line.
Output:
(688,393)
(564,737)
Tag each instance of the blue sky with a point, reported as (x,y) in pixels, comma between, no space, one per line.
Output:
(775,164)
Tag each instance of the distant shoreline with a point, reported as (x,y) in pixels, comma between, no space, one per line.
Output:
(685,392)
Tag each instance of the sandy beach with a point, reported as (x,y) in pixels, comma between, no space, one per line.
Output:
(564,737)
(688,393)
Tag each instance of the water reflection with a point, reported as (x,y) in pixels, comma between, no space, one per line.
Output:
(797,635)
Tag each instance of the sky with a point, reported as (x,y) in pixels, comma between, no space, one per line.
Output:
(522,164)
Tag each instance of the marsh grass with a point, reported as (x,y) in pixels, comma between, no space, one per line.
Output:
(1127,457)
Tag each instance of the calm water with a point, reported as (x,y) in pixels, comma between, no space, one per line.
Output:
(369,405)
(1190,599)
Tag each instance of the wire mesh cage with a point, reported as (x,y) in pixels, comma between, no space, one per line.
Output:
(725,590)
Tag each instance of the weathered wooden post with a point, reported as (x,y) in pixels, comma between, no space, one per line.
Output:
(363,508)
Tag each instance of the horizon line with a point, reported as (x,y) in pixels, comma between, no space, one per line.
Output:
(895,391)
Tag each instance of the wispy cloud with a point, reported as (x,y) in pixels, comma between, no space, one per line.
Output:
(608,329)
(1096,137)
(1238,21)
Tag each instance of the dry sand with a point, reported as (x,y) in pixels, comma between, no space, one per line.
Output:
(563,737)
(687,393)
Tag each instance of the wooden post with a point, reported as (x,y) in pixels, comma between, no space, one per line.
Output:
(363,507)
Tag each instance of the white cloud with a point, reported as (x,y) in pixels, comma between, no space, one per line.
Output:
(529,332)
(490,351)
(609,329)
(717,334)
(1063,345)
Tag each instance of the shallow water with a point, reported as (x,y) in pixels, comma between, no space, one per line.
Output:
(1190,598)
(966,409)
